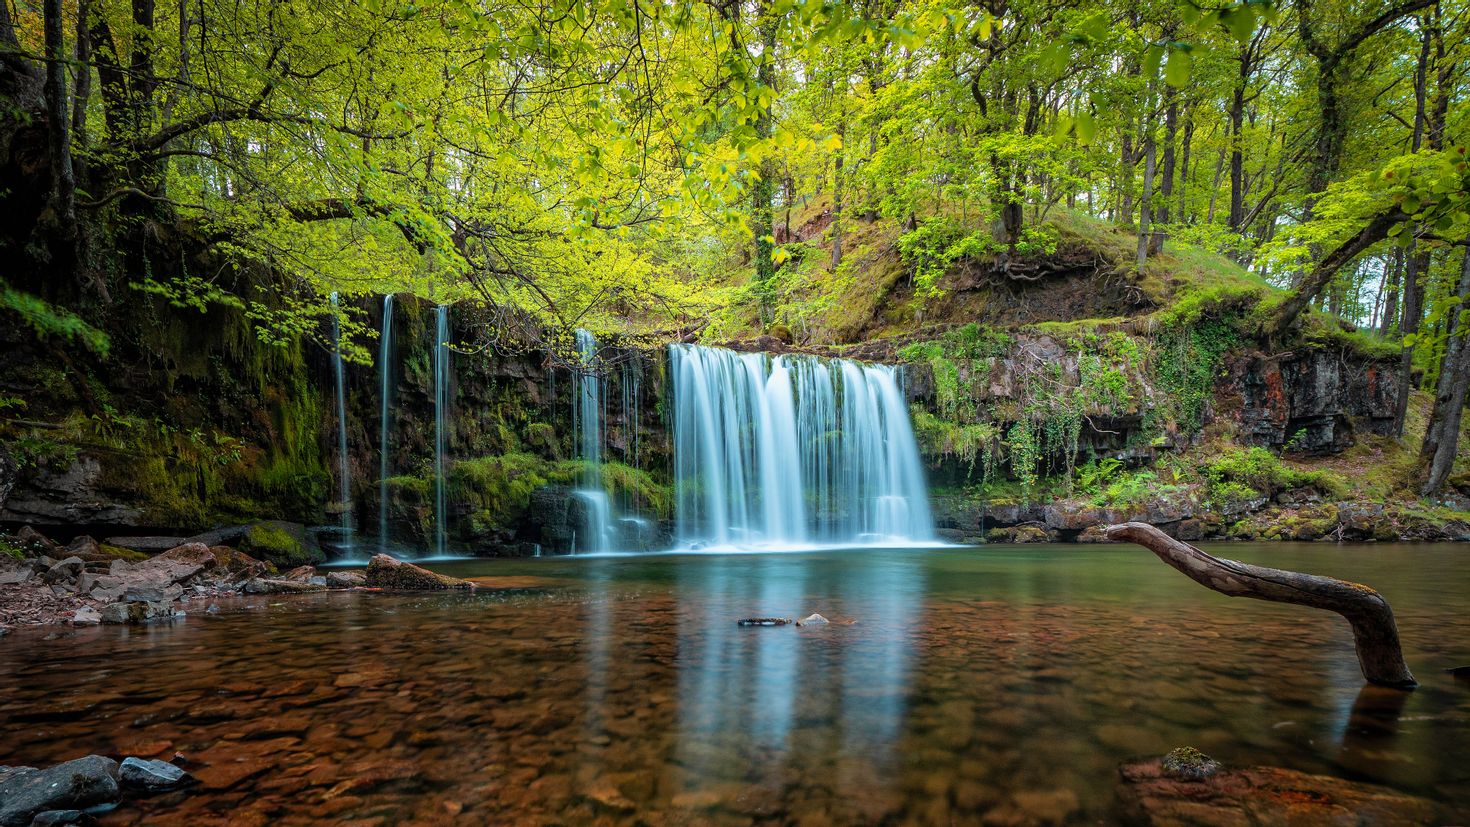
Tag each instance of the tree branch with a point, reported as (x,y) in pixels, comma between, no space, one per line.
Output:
(1375,634)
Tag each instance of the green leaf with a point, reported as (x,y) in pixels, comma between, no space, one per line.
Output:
(1176,71)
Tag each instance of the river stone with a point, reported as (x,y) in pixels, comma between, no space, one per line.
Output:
(57,818)
(1189,763)
(346,579)
(384,572)
(77,784)
(1261,795)
(813,619)
(86,616)
(150,774)
(263,585)
(134,612)
(65,571)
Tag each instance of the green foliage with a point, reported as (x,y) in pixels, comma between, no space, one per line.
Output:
(1239,474)
(47,320)
(1188,359)
(9,548)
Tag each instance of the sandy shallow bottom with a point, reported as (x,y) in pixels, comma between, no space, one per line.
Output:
(1001,685)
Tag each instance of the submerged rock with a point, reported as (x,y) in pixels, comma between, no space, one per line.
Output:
(151,774)
(57,818)
(78,784)
(1261,795)
(813,619)
(384,572)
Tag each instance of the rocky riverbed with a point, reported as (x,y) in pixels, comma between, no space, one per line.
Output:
(86,583)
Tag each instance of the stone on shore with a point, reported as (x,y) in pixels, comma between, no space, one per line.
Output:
(346,579)
(384,572)
(137,611)
(1261,795)
(151,774)
(86,616)
(267,585)
(72,785)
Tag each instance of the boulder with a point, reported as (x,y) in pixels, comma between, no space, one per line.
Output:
(346,579)
(151,775)
(147,543)
(286,545)
(86,616)
(34,541)
(65,571)
(261,585)
(813,619)
(84,547)
(384,572)
(157,579)
(300,574)
(239,564)
(78,784)
(1150,795)
(1024,533)
(188,554)
(136,611)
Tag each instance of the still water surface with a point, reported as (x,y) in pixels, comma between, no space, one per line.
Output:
(1000,683)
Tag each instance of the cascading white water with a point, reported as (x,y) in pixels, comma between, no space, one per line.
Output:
(385,361)
(344,485)
(792,450)
(441,405)
(595,534)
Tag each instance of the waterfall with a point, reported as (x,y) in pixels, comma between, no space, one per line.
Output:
(344,485)
(792,450)
(385,359)
(441,404)
(595,533)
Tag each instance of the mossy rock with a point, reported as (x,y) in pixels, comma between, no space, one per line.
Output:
(286,545)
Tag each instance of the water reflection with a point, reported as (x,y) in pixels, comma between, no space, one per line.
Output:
(998,684)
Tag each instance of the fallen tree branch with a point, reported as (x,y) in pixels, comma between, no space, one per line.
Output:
(1376,636)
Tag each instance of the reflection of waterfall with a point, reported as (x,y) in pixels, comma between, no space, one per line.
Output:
(385,359)
(344,486)
(441,404)
(594,534)
(771,702)
(792,449)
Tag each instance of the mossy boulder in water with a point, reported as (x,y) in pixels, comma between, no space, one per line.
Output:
(1189,763)
(286,545)
(384,572)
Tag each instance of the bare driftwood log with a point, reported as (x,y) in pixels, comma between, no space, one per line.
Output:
(1374,632)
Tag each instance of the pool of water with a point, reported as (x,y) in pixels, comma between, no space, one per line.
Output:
(999,683)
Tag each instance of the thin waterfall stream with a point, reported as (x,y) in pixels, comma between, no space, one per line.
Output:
(385,392)
(441,405)
(595,535)
(344,483)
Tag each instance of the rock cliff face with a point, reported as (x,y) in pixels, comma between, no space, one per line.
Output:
(1313,401)
(186,432)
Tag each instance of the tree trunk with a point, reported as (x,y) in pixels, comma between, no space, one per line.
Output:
(63,181)
(83,92)
(1375,634)
(1413,312)
(1442,437)
(1145,201)
(760,207)
(1390,318)
(1237,152)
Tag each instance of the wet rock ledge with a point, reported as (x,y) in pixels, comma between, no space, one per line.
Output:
(84,583)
